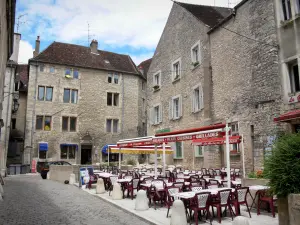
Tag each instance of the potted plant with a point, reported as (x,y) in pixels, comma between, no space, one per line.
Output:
(195,63)
(282,168)
(155,87)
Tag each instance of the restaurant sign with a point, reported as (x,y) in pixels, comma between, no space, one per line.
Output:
(294,99)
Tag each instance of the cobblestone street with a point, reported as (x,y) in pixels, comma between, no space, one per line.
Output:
(29,200)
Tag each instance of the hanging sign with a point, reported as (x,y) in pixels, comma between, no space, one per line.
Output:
(217,141)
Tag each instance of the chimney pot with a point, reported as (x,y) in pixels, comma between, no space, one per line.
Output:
(37,47)
(94,46)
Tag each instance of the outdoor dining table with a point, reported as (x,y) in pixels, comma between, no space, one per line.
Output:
(105,176)
(158,187)
(256,188)
(123,183)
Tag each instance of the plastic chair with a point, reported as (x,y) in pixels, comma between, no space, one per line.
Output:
(223,200)
(240,199)
(264,197)
(200,203)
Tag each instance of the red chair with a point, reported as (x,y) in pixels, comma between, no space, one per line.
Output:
(157,192)
(240,198)
(179,185)
(194,184)
(264,197)
(222,200)
(133,185)
(171,192)
(200,203)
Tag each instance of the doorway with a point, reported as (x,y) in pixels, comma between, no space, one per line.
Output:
(86,154)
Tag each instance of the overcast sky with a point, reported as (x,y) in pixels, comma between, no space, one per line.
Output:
(130,27)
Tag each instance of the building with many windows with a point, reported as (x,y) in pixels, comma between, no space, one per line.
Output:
(80,99)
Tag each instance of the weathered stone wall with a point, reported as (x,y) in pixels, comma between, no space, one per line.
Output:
(246,84)
(91,110)
(181,32)
(20,115)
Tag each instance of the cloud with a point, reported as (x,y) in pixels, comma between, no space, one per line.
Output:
(25,52)
(137,59)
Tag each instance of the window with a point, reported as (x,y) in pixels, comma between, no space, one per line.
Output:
(234,128)
(70,95)
(52,70)
(199,151)
(197,99)
(42,68)
(143,104)
(45,93)
(43,154)
(156,114)
(112,125)
(176,67)
(116,78)
(13,123)
(67,151)
(109,78)
(112,99)
(294,77)
(71,73)
(287,10)
(178,151)
(69,123)
(157,80)
(195,53)
(43,123)
(298,6)
(234,147)
(16,86)
(176,108)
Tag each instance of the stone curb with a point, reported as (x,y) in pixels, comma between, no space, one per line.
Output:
(133,213)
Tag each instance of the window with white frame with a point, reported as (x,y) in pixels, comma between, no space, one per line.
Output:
(113,78)
(234,128)
(197,98)
(156,80)
(286,9)
(178,150)
(293,69)
(195,53)
(176,69)
(156,114)
(199,150)
(176,107)
(112,125)
(71,73)
(297,6)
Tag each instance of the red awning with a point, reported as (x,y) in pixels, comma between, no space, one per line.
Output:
(288,116)
(217,141)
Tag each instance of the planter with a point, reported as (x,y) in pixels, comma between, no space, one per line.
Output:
(293,210)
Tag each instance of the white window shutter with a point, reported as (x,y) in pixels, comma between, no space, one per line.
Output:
(160,113)
(192,101)
(180,106)
(201,97)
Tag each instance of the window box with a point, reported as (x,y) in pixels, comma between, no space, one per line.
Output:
(234,152)
(177,78)
(286,23)
(194,64)
(155,87)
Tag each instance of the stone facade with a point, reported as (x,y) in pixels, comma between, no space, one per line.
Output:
(239,76)
(181,33)
(91,111)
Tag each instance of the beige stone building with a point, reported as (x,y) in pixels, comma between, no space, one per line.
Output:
(7,21)
(80,99)
(214,65)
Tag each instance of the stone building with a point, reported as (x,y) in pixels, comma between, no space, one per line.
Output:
(7,21)
(215,65)
(178,80)
(80,99)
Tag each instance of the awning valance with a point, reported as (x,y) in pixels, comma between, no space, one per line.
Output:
(68,144)
(43,146)
(216,141)
(141,150)
(295,114)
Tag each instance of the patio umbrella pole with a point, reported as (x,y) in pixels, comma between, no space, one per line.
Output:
(164,159)
(119,158)
(155,165)
(243,155)
(228,157)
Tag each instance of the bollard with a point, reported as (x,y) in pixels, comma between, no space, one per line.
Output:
(100,189)
(72,179)
(48,175)
(117,192)
(240,220)
(1,190)
(178,216)
(141,202)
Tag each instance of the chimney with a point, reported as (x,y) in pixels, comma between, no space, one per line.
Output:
(94,46)
(140,68)
(37,47)
(15,56)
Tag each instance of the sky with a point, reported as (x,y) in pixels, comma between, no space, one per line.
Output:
(130,27)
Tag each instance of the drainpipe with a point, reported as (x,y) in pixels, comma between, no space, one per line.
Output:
(123,112)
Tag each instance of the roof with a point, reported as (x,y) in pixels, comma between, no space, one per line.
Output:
(145,65)
(294,114)
(81,56)
(209,15)
(22,70)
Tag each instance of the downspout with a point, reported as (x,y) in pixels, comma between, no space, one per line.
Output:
(6,123)
(33,111)
(123,112)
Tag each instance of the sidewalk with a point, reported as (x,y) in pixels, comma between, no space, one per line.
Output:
(158,216)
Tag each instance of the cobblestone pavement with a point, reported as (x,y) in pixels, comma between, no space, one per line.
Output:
(30,200)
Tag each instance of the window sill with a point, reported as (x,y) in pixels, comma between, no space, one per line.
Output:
(178,118)
(286,23)
(176,80)
(235,153)
(194,67)
(177,157)
(156,124)
(196,111)
(156,89)
(199,156)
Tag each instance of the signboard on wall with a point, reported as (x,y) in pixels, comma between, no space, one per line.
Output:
(294,99)
(269,145)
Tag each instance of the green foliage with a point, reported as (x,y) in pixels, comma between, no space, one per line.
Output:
(283,166)
(131,162)
(252,175)
(258,174)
